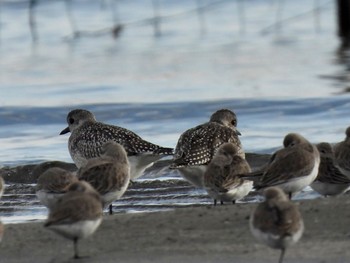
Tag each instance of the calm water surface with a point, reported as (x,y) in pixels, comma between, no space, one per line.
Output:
(278,79)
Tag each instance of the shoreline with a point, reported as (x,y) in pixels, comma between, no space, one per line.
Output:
(192,234)
(29,173)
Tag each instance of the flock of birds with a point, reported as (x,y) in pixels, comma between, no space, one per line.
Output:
(209,156)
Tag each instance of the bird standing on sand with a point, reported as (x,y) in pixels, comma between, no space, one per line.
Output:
(197,146)
(342,154)
(2,187)
(330,180)
(88,136)
(109,174)
(277,222)
(77,214)
(53,184)
(221,179)
(292,168)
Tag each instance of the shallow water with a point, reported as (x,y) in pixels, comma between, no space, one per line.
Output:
(277,79)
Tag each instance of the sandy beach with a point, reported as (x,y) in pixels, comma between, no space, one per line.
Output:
(198,234)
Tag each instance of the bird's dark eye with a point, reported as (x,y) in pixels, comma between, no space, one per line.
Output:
(71,120)
(234,122)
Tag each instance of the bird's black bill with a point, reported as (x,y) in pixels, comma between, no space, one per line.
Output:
(66,130)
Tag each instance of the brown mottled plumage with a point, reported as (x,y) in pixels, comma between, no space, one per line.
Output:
(197,146)
(221,180)
(293,167)
(277,222)
(88,136)
(52,184)
(2,186)
(108,174)
(342,154)
(330,180)
(77,214)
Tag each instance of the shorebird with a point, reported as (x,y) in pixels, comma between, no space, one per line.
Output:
(197,146)
(109,174)
(77,214)
(276,222)
(1,230)
(221,179)
(293,167)
(2,186)
(342,154)
(88,135)
(53,184)
(330,180)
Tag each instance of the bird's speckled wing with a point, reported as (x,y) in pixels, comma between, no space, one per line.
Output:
(198,145)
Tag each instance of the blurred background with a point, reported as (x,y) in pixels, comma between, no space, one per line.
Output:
(68,52)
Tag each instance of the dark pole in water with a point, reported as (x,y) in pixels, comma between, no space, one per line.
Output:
(344,21)
(279,14)
(241,16)
(117,27)
(317,15)
(0,20)
(201,18)
(68,4)
(32,23)
(156,19)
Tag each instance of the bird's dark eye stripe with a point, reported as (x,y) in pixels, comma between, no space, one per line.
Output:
(71,120)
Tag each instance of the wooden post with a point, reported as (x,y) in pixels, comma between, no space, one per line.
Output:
(343,9)
(0,20)
(317,16)
(279,15)
(201,18)
(241,16)
(68,4)
(156,19)
(32,22)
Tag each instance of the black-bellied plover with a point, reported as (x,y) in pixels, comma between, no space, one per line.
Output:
(197,146)
(221,179)
(293,167)
(109,174)
(277,222)
(330,180)
(88,136)
(53,184)
(342,154)
(77,214)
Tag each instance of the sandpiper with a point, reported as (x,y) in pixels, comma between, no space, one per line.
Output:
(2,186)
(277,222)
(88,136)
(342,154)
(221,179)
(292,168)
(330,180)
(2,228)
(109,174)
(197,146)
(53,184)
(77,214)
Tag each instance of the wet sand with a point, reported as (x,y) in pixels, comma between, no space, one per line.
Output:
(201,234)
(189,234)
